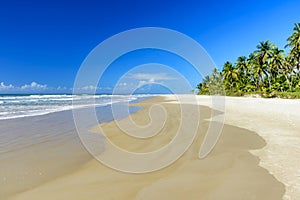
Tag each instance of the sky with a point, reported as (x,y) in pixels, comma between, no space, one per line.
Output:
(44,43)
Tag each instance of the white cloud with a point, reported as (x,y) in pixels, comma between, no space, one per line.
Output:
(142,83)
(105,88)
(122,84)
(33,86)
(5,87)
(59,88)
(88,88)
(138,81)
(151,77)
(91,89)
(85,89)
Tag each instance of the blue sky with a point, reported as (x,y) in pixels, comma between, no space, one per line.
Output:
(43,43)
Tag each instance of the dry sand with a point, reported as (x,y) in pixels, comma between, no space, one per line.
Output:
(277,121)
(229,172)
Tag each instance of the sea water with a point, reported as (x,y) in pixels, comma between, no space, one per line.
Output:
(22,105)
(39,139)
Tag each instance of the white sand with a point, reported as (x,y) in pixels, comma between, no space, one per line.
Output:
(278,122)
(229,172)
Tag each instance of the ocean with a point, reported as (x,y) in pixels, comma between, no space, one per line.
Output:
(39,139)
(24,105)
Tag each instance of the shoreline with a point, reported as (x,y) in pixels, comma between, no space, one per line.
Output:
(277,121)
(230,171)
(39,149)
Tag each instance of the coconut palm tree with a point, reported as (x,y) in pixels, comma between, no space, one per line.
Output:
(265,70)
(276,62)
(230,75)
(216,83)
(264,53)
(265,50)
(255,70)
(294,44)
(242,67)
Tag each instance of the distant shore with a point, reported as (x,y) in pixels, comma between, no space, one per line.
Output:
(238,167)
(274,94)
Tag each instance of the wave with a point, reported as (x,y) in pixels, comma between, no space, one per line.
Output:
(33,105)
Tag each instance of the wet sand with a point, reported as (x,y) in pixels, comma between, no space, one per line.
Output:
(230,171)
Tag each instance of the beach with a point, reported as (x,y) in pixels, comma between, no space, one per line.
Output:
(254,158)
(45,145)
(150,100)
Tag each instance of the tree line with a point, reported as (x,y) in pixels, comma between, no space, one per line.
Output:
(267,71)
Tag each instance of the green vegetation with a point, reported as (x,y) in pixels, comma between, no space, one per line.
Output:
(267,71)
